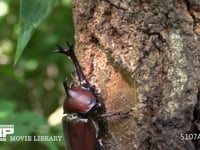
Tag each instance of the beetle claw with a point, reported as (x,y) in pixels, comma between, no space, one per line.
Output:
(65,79)
(102,147)
(69,52)
(65,84)
(59,50)
(73,74)
(71,84)
(69,45)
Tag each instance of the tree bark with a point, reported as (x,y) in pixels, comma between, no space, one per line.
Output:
(143,55)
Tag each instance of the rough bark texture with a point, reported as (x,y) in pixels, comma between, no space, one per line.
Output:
(143,55)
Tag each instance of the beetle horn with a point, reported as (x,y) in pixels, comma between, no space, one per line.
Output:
(70,52)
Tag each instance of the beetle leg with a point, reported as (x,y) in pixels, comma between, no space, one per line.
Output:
(73,74)
(66,86)
(120,113)
(100,107)
(69,52)
(102,147)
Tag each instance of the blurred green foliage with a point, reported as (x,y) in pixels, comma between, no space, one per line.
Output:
(32,90)
(32,13)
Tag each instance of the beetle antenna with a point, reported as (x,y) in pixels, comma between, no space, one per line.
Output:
(66,86)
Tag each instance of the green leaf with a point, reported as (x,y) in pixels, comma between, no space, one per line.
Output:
(32,13)
(9,72)
(49,144)
(26,122)
(6,108)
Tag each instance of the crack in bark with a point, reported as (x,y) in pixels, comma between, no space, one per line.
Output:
(189,9)
(196,119)
(116,6)
(196,113)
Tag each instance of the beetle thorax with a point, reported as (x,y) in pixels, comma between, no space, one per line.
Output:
(79,101)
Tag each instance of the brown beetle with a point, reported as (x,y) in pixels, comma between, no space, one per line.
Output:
(83,111)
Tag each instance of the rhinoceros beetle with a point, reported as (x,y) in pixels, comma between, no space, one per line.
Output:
(83,109)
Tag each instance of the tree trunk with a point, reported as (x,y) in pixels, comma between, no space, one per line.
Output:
(144,55)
